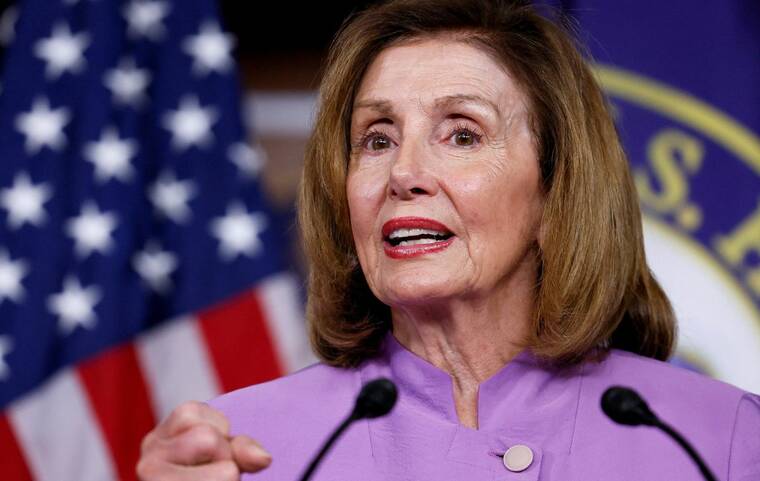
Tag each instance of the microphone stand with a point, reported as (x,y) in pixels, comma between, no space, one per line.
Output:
(326,447)
(375,399)
(708,475)
(625,406)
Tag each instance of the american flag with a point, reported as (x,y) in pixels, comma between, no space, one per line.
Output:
(139,264)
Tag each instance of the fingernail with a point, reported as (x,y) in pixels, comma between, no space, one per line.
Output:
(259,451)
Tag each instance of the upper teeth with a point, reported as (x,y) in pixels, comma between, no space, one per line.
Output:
(413,232)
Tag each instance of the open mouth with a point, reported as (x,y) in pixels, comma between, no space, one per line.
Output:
(412,237)
(407,237)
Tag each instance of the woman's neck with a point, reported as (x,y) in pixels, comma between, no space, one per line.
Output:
(468,339)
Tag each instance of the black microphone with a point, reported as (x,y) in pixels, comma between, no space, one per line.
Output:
(376,399)
(624,406)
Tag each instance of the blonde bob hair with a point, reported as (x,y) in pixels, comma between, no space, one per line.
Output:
(594,289)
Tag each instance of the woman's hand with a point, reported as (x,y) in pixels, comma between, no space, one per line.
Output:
(193,443)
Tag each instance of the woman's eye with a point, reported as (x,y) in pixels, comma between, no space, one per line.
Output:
(463,137)
(377,142)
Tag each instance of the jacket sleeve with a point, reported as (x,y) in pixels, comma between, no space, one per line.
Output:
(744,462)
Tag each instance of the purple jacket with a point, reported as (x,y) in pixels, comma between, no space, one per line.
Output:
(554,417)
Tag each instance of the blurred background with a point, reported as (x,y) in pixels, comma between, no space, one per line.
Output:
(150,154)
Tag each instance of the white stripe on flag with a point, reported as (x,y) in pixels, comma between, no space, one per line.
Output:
(58,431)
(176,365)
(282,311)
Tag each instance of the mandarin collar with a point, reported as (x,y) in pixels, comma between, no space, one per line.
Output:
(525,399)
(431,388)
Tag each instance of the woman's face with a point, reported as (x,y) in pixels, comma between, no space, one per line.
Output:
(444,185)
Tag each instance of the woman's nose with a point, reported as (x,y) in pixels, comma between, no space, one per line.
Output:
(410,174)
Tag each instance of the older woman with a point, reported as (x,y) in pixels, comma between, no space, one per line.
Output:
(473,235)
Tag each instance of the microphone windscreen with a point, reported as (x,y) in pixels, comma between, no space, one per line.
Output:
(376,399)
(624,406)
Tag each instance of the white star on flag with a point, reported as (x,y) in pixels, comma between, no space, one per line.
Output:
(155,266)
(62,51)
(6,346)
(24,201)
(211,49)
(248,159)
(111,156)
(238,231)
(191,124)
(91,230)
(11,274)
(43,126)
(128,83)
(145,17)
(74,305)
(170,197)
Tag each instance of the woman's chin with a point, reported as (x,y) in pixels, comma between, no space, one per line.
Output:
(417,293)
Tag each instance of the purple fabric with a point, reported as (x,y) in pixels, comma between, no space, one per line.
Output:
(555,413)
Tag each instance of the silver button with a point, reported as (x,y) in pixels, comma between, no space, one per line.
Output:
(518,458)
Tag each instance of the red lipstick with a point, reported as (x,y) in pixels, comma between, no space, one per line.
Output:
(443,238)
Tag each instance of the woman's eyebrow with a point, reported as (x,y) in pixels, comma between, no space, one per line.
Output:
(458,99)
(385,107)
(378,105)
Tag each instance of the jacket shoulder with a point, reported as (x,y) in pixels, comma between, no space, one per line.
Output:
(315,392)
(702,409)
(291,416)
(659,380)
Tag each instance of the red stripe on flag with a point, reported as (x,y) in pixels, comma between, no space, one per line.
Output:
(12,463)
(119,396)
(241,346)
